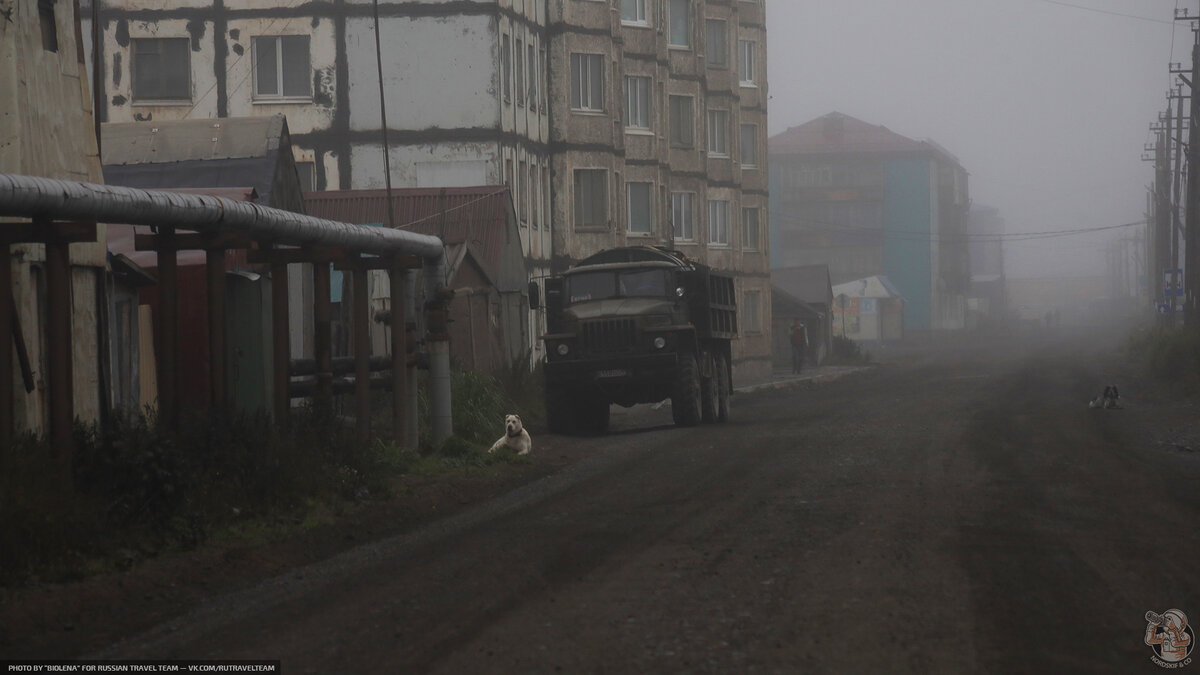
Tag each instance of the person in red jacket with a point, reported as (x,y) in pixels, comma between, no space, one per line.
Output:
(799,335)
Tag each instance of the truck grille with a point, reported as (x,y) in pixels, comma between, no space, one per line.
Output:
(609,336)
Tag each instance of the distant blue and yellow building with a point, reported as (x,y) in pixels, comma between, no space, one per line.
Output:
(867,201)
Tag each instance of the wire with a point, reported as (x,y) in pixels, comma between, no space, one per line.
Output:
(1105,11)
(910,235)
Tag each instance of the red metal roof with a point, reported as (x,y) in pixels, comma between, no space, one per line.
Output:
(836,133)
(477,216)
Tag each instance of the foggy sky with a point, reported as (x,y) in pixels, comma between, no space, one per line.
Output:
(1046,106)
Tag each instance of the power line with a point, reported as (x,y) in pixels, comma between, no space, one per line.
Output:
(912,235)
(1108,12)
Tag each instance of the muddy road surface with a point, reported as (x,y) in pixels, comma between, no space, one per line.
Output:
(964,513)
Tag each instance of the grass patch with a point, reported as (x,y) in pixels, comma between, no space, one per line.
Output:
(136,490)
(1171,356)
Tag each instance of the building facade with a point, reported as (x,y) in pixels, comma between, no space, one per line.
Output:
(658,137)
(47,129)
(613,122)
(464,83)
(867,201)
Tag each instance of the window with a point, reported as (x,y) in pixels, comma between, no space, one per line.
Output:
(748,145)
(587,82)
(522,194)
(640,212)
(718,222)
(591,198)
(506,66)
(520,72)
(307,171)
(746,53)
(718,133)
(716,47)
(531,66)
(161,69)
(681,23)
(637,102)
(750,229)
(683,126)
(48,25)
(751,311)
(634,11)
(682,222)
(281,67)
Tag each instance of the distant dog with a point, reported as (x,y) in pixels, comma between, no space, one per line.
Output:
(514,436)
(1111,398)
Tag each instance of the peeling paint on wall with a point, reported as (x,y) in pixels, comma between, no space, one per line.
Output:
(121,35)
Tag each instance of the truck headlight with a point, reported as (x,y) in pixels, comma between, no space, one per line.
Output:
(660,342)
(563,349)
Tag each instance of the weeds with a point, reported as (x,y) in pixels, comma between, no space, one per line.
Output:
(136,489)
(848,352)
(1172,356)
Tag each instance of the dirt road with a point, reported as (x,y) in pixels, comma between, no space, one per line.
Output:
(961,514)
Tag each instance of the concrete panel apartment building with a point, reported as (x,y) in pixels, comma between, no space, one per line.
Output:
(614,122)
(658,137)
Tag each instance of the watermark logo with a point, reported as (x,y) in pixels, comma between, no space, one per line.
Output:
(1171,638)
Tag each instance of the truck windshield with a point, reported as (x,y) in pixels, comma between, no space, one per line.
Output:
(622,284)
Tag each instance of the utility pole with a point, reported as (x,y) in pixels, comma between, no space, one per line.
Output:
(1161,240)
(1191,318)
(1176,198)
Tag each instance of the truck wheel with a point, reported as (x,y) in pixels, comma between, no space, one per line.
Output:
(710,392)
(685,397)
(725,389)
(560,415)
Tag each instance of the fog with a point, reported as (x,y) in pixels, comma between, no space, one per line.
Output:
(1047,104)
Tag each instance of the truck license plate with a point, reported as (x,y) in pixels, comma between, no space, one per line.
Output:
(612,373)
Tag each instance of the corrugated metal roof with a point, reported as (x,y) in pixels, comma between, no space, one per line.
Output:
(121,237)
(193,139)
(476,216)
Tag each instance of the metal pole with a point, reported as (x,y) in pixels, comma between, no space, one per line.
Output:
(7,424)
(280,344)
(323,340)
(399,353)
(362,354)
(168,329)
(215,276)
(59,353)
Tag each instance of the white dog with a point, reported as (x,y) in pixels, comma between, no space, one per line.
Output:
(514,436)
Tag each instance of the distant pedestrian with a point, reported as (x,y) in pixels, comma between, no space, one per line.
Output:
(799,336)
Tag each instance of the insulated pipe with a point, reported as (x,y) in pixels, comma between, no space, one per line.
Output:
(34,196)
(31,196)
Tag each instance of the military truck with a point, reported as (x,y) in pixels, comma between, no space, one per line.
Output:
(638,325)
